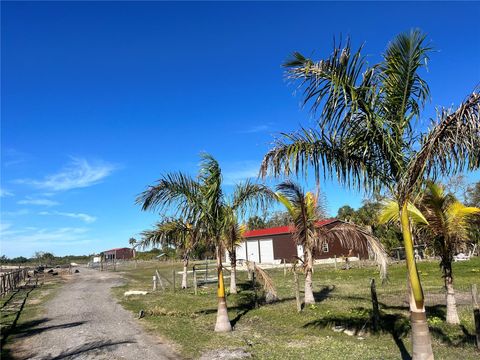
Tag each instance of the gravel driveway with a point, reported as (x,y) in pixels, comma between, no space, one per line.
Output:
(84,321)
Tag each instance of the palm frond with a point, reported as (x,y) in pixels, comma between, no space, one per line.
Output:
(248,195)
(403,91)
(390,213)
(355,238)
(263,277)
(172,189)
(353,161)
(452,144)
(458,217)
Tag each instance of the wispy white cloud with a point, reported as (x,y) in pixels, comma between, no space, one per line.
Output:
(256,129)
(40,202)
(4,226)
(79,173)
(5,192)
(30,239)
(16,212)
(84,217)
(240,171)
(13,157)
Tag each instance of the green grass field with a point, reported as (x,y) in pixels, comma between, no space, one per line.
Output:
(277,331)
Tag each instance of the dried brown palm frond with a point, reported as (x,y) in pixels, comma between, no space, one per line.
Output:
(354,237)
(264,278)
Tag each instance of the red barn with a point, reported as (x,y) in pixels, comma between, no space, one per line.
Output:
(275,244)
(119,254)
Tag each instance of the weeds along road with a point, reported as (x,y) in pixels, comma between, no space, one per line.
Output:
(84,321)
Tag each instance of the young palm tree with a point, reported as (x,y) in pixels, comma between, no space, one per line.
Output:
(232,238)
(448,229)
(183,235)
(306,211)
(203,199)
(365,136)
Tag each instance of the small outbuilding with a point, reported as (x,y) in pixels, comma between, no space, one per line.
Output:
(119,254)
(274,245)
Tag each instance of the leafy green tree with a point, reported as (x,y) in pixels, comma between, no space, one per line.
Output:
(256,222)
(346,213)
(202,198)
(473,195)
(366,136)
(279,218)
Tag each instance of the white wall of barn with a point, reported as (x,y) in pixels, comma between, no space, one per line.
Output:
(258,250)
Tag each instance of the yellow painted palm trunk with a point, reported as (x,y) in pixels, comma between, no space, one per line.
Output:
(422,345)
(223,323)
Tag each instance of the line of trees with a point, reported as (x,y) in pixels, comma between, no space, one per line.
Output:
(365,138)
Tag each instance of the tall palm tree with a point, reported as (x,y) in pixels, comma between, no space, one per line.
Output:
(203,199)
(448,229)
(366,136)
(306,211)
(181,234)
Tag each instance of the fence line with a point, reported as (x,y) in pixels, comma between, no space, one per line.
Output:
(12,280)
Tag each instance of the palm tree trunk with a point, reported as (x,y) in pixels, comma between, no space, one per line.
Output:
(223,323)
(452,314)
(309,298)
(185,269)
(233,273)
(422,345)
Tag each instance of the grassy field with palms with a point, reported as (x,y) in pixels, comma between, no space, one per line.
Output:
(276,330)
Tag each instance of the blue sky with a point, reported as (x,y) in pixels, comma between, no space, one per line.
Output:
(100,99)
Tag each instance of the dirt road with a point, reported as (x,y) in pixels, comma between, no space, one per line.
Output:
(84,321)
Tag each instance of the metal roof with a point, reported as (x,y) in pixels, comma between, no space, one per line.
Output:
(281,229)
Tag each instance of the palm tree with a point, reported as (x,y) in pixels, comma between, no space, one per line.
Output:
(232,238)
(306,211)
(448,229)
(366,138)
(133,243)
(203,199)
(182,235)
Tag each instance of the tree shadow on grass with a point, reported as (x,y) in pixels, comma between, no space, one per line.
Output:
(244,302)
(324,293)
(395,324)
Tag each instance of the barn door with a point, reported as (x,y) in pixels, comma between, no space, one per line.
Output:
(266,251)
(252,251)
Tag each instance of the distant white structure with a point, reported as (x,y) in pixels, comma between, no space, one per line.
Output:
(97,259)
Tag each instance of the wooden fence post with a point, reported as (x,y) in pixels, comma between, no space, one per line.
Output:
(476,314)
(159,279)
(206,269)
(297,291)
(173,275)
(194,280)
(375,310)
(254,289)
